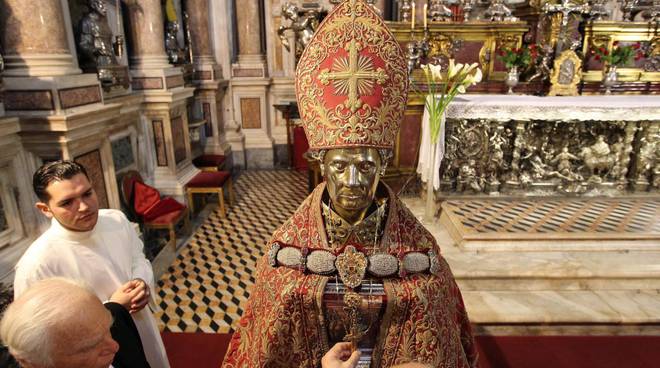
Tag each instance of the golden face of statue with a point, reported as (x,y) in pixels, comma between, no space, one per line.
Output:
(352,176)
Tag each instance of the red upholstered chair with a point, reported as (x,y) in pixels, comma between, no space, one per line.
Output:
(154,212)
(209,162)
(210,182)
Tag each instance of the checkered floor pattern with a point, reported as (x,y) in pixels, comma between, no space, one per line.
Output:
(206,287)
(597,215)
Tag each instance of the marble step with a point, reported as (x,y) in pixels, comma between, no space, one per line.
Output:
(555,270)
(583,307)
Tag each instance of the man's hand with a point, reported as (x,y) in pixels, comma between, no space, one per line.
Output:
(340,356)
(124,295)
(140,295)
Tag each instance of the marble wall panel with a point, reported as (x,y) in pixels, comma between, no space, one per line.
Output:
(174,81)
(178,139)
(78,96)
(159,143)
(122,153)
(206,111)
(251,113)
(94,166)
(147,83)
(203,75)
(469,52)
(248,72)
(29,100)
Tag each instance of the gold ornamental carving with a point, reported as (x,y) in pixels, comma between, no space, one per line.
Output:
(353,76)
(351,266)
(441,45)
(566,74)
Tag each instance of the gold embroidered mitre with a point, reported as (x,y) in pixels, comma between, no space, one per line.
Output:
(352,81)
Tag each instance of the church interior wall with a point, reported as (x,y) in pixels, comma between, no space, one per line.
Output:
(56,118)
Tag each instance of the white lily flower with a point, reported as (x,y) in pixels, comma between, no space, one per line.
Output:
(478,75)
(469,68)
(454,69)
(472,79)
(436,72)
(461,88)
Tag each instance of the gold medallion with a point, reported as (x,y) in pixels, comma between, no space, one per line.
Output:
(351,266)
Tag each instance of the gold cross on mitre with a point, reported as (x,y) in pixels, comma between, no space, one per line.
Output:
(353,76)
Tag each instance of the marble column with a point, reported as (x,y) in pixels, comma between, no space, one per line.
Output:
(207,77)
(198,11)
(35,39)
(147,34)
(249,29)
(250,85)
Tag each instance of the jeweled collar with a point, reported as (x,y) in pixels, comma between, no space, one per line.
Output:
(366,232)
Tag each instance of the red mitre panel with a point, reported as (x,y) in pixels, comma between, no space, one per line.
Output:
(352,81)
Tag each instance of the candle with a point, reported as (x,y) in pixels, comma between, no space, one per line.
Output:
(412,25)
(118,11)
(425,9)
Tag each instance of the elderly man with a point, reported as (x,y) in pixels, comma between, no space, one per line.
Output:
(58,323)
(97,247)
(353,263)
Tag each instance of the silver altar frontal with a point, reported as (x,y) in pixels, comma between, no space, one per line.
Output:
(526,145)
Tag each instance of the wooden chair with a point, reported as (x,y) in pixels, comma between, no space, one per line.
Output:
(210,182)
(153,211)
(209,162)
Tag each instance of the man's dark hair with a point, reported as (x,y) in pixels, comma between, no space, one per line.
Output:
(54,171)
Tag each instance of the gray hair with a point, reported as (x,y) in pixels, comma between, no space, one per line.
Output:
(28,323)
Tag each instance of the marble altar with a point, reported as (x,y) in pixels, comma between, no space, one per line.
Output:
(529,145)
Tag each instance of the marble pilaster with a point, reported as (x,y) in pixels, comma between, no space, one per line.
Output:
(166,117)
(19,217)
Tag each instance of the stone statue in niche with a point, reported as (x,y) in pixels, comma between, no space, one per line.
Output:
(96,42)
(303,27)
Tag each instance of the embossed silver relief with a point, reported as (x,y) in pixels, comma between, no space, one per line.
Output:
(549,157)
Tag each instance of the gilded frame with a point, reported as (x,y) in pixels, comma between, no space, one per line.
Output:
(566,89)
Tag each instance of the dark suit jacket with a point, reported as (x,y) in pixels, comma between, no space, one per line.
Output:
(123,330)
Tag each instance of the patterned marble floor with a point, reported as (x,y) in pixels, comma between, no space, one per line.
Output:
(206,287)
